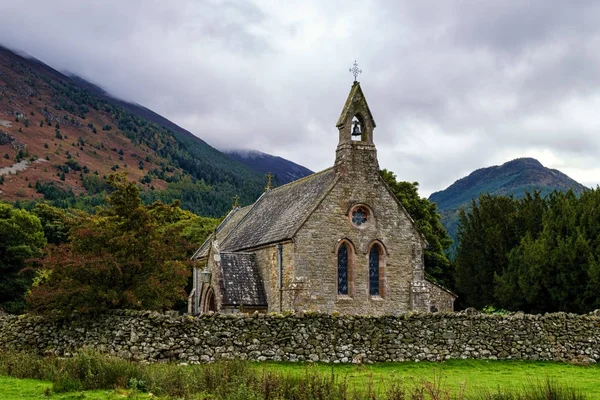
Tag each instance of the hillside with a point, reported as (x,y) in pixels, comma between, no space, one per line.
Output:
(511,178)
(60,136)
(283,170)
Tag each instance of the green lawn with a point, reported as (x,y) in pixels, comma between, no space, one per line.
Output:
(31,389)
(474,374)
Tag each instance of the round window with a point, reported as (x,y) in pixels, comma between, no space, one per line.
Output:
(359,216)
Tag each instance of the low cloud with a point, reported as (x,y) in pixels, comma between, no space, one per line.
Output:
(453,86)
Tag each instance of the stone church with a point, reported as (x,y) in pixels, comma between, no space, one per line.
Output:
(337,240)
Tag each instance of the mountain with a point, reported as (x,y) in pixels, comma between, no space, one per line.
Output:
(60,136)
(283,170)
(511,178)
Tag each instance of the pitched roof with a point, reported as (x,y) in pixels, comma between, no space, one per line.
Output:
(356,100)
(279,212)
(240,282)
(225,227)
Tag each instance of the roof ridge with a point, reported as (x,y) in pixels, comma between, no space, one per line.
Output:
(227,217)
(300,180)
(220,227)
(264,194)
(217,229)
(302,196)
(252,206)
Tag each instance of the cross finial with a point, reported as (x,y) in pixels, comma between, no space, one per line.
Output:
(355,71)
(269,178)
(236,201)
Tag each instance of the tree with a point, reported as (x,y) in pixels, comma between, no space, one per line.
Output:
(21,238)
(427,219)
(486,234)
(119,258)
(529,216)
(533,254)
(57,222)
(192,228)
(557,269)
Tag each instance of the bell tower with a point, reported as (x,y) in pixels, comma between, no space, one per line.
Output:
(356,124)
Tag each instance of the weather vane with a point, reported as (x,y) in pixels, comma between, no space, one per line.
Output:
(355,71)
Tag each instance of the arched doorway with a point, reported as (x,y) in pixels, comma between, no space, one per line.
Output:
(209,301)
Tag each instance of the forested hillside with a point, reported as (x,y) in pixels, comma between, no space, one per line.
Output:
(514,178)
(60,137)
(283,171)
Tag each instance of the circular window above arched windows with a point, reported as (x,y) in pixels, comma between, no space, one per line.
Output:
(360,215)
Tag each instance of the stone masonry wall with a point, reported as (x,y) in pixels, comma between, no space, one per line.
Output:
(310,337)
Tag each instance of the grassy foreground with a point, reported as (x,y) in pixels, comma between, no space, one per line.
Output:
(32,389)
(89,375)
(470,376)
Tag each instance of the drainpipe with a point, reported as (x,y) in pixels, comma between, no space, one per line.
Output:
(280,269)
(192,302)
(196,293)
(200,294)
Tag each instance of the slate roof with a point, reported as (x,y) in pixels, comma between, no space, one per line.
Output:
(241,284)
(279,212)
(225,227)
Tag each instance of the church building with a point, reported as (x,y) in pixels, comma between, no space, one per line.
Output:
(335,241)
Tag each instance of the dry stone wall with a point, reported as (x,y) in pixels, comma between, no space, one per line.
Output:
(153,336)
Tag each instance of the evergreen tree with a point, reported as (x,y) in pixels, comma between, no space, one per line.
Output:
(21,238)
(125,256)
(558,270)
(486,234)
(534,255)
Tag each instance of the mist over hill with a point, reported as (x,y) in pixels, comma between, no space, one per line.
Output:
(60,136)
(283,170)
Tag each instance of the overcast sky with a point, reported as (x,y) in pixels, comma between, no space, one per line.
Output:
(453,85)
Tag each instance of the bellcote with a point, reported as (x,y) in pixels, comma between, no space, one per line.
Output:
(356,122)
(356,150)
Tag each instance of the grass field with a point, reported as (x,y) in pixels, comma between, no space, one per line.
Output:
(475,375)
(32,389)
(109,376)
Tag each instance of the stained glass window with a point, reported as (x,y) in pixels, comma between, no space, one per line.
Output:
(359,216)
(374,271)
(343,269)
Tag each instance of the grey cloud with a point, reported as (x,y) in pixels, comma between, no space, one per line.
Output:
(453,85)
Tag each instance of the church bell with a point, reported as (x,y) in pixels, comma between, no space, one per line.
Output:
(356,129)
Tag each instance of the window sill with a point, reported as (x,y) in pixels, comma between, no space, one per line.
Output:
(376,298)
(344,297)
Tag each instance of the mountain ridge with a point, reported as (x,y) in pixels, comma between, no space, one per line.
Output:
(80,134)
(514,177)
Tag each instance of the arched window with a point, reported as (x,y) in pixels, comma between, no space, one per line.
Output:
(342,257)
(374,258)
